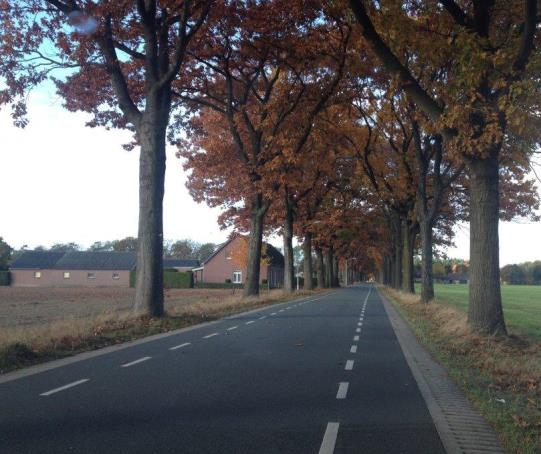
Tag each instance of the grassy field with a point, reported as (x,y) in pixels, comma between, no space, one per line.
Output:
(521,304)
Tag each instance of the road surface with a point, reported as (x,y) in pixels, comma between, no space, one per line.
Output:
(320,375)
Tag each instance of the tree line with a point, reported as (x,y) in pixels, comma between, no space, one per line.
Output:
(366,129)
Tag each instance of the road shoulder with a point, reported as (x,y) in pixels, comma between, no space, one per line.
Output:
(460,426)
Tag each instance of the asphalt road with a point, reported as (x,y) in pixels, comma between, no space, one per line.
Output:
(320,375)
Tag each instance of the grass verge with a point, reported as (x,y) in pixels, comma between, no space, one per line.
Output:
(28,345)
(500,376)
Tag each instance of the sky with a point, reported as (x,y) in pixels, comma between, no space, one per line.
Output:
(64,182)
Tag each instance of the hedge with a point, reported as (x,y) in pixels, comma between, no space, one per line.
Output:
(225,285)
(5,278)
(171,279)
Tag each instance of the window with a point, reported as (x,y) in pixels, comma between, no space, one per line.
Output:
(237,277)
(116,276)
(66,274)
(37,274)
(91,275)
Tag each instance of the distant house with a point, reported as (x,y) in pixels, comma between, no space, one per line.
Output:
(223,266)
(80,269)
(457,278)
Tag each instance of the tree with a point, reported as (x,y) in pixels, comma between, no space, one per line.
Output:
(65,247)
(513,274)
(118,61)
(259,91)
(183,249)
(205,250)
(5,254)
(128,244)
(483,97)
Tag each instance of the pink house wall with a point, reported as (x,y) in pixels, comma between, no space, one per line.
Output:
(222,265)
(78,278)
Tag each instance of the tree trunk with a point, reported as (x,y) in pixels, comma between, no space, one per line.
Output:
(288,248)
(485,309)
(307,264)
(408,239)
(320,269)
(257,215)
(397,272)
(427,279)
(328,268)
(149,271)
(335,272)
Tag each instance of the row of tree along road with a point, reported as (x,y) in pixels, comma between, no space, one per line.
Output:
(366,129)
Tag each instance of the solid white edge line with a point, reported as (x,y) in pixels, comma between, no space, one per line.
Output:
(349,364)
(353,349)
(232,328)
(62,388)
(137,361)
(185,344)
(342,390)
(210,335)
(329,439)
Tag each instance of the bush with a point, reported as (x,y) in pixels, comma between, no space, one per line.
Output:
(177,279)
(225,285)
(171,279)
(5,278)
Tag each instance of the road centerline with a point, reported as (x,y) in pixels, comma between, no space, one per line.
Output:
(342,390)
(232,328)
(349,364)
(353,349)
(329,438)
(210,335)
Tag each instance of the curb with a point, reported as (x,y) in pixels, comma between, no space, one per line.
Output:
(461,427)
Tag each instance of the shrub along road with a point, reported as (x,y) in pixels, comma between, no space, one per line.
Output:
(324,374)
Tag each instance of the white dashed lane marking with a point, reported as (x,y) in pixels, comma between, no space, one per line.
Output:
(329,439)
(180,346)
(62,388)
(355,338)
(232,328)
(250,322)
(210,335)
(353,349)
(137,361)
(358,330)
(342,390)
(349,364)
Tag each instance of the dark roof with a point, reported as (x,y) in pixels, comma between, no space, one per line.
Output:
(218,249)
(97,261)
(180,263)
(276,257)
(36,259)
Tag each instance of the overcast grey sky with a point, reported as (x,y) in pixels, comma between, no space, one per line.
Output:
(62,182)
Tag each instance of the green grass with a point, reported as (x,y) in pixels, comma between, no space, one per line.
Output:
(521,304)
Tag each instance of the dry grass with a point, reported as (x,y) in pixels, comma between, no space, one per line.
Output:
(501,375)
(28,343)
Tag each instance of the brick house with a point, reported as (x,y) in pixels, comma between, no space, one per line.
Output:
(222,266)
(80,269)
(72,269)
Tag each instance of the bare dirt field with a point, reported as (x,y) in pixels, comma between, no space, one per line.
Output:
(30,306)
